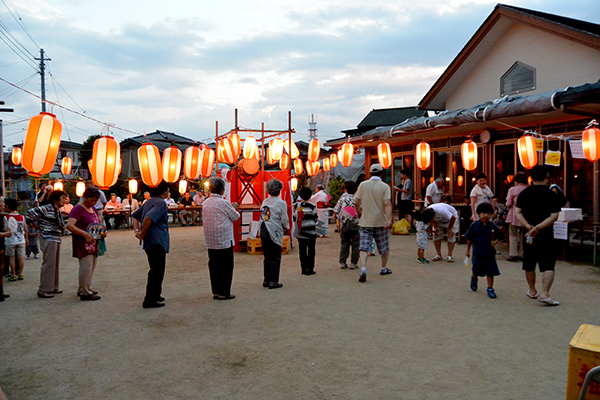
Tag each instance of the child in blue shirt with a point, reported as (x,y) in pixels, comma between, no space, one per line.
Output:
(483,235)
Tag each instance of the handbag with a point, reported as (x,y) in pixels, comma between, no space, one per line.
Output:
(90,247)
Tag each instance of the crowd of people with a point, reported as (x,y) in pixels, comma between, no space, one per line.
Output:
(364,214)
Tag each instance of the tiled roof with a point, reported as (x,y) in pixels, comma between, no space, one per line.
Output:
(160,139)
(385,117)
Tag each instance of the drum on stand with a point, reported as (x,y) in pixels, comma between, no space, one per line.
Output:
(248,167)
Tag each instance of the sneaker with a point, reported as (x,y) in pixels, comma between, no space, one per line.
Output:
(28,258)
(363,276)
(473,284)
(491,293)
(421,260)
(20,278)
(36,257)
(385,271)
(343,266)
(12,278)
(353,266)
(425,261)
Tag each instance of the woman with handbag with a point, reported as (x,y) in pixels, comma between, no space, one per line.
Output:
(85,247)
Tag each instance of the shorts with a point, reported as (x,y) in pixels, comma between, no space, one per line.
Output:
(542,253)
(380,235)
(485,266)
(405,207)
(13,250)
(452,235)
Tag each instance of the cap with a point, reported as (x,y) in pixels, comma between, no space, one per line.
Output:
(376,168)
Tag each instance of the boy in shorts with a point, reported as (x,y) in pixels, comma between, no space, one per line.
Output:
(15,244)
(483,235)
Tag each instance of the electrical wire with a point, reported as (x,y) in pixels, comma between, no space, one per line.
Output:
(19,21)
(11,45)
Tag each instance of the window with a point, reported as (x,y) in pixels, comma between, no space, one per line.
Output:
(519,78)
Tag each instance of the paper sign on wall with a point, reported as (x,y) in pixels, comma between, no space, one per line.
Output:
(561,230)
(539,144)
(553,158)
(576,148)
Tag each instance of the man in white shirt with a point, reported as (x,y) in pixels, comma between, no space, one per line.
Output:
(434,192)
(441,216)
(481,193)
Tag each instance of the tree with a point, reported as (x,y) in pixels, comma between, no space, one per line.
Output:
(85,154)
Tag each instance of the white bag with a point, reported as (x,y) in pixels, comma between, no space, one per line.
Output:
(254,230)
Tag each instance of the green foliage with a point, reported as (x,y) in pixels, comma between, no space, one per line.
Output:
(85,154)
(336,189)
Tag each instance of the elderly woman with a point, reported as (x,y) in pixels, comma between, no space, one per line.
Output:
(218,216)
(85,247)
(48,220)
(273,221)
(154,234)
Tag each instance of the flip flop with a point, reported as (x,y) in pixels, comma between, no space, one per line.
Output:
(436,258)
(450,259)
(532,296)
(550,301)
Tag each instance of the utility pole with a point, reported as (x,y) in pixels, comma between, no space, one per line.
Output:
(2,146)
(42,72)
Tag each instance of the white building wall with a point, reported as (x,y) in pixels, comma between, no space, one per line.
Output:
(558,62)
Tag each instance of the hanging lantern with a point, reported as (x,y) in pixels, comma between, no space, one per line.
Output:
(133,186)
(312,167)
(229,155)
(203,146)
(270,159)
(65,165)
(510,178)
(431,179)
(277,146)
(80,188)
(290,147)
(150,164)
(468,152)
(340,154)
(333,160)
(171,164)
(250,148)
(236,144)
(298,166)
(423,182)
(460,180)
(220,156)
(314,149)
(326,164)
(58,185)
(529,180)
(527,151)
(384,154)
(346,154)
(454,167)
(41,144)
(423,155)
(183,186)
(16,155)
(284,162)
(191,162)
(106,162)
(591,142)
(294,182)
(207,162)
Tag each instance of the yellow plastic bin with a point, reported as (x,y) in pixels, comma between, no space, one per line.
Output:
(584,354)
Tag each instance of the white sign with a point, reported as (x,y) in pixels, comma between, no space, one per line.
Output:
(561,230)
(576,148)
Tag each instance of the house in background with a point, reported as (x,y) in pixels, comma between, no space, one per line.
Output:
(509,78)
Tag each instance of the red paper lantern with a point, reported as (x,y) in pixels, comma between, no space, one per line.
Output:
(150,164)
(298,168)
(191,162)
(41,144)
(183,186)
(80,188)
(106,162)
(229,154)
(250,148)
(16,155)
(384,154)
(314,149)
(333,159)
(346,154)
(276,148)
(460,180)
(171,164)
(66,165)
(326,164)
(468,152)
(294,183)
(133,186)
(290,147)
(58,185)
(270,159)
(284,162)
(527,151)
(207,162)
(591,143)
(312,167)
(236,144)
(423,155)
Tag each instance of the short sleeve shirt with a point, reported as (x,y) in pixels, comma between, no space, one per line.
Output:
(84,218)
(434,192)
(483,195)
(444,213)
(537,202)
(408,185)
(480,235)
(373,195)
(158,233)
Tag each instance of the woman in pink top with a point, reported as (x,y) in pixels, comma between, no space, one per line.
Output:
(516,230)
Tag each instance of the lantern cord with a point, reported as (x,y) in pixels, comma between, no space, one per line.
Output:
(592,123)
(510,126)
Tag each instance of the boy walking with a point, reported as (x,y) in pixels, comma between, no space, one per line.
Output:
(483,235)
(15,244)
(306,218)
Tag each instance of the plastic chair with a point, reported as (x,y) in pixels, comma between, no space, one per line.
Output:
(592,375)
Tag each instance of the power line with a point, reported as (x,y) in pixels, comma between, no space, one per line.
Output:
(63,89)
(20,21)
(5,36)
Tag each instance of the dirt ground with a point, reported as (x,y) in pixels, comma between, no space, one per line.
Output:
(419,333)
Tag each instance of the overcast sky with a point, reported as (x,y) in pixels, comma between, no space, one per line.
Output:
(181,65)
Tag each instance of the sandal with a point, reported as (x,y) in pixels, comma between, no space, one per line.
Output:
(436,258)
(450,259)
(550,301)
(532,296)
